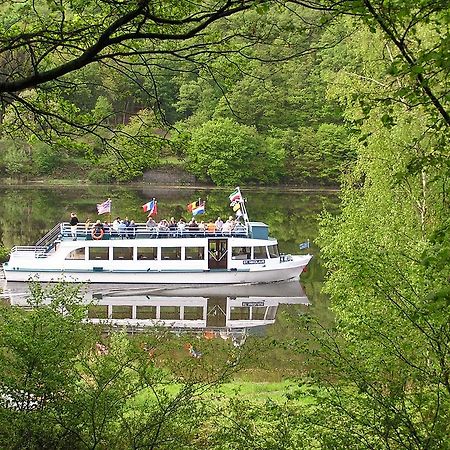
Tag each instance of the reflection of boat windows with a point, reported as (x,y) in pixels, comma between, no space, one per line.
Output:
(170,312)
(241,253)
(259,252)
(99,253)
(78,253)
(146,312)
(121,312)
(240,313)
(258,312)
(273,251)
(197,253)
(98,312)
(193,312)
(171,253)
(147,253)
(123,253)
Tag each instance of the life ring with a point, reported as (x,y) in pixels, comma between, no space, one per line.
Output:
(97,233)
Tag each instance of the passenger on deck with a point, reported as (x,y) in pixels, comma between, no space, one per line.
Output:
(173,226)
(219,224)
(202,226)
(228,225)
(116,223)
(163,225)
(150,224)
(131,230)
(181,225)
(193,225)
(73,225)
(122,228)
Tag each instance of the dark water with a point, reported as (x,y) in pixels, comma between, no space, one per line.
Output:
(26,213)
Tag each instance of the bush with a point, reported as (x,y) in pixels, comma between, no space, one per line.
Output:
(100,176)
(4,254)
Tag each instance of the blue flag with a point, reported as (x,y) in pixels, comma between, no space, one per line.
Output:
(304,245)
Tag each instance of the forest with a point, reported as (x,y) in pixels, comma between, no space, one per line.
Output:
(352,93)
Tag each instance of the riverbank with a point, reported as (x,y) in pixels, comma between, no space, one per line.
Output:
(45,183)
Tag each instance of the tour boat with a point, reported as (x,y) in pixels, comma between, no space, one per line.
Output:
(151,255)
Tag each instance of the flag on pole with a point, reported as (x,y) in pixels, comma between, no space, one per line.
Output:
(236,196)
(304,245)
(191,206)
(104,207)
(151,207)
(200,209)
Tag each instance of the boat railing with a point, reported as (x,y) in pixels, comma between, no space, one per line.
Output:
(50,237)
(141,231)
(40,251)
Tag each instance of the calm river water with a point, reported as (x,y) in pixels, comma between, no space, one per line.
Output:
(26,213)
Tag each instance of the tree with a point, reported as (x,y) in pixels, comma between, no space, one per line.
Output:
(228,153)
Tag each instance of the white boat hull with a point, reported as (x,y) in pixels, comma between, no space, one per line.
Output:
(285,271)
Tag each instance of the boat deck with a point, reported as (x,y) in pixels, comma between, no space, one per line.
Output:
(140,231)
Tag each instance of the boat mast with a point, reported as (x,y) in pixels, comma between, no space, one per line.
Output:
(243,208)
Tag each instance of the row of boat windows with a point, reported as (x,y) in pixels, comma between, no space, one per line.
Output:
(168,253)
(172,312)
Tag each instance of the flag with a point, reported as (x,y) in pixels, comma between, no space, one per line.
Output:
(304,245)
(236,207)
(200,209)
(104,207)
(191,206)
(151,207)
(236,196)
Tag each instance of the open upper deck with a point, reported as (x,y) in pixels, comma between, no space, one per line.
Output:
(63,232)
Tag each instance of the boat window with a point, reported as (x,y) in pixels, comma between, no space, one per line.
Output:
(147,253)
(98,252)
(193,312)
(195,253)
(260,252)
(273,251)
(241,253)
(170,252)
(78,253)
(122,253)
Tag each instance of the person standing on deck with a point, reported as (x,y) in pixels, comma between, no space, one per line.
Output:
(73,225)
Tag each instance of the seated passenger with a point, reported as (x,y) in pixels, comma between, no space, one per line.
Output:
(202,226)
(211,227)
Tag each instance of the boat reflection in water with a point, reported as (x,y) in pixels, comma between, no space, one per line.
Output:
(224,310)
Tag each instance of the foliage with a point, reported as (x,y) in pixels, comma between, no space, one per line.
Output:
(64,385)
(4,254)
(228,153)
(385,365)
